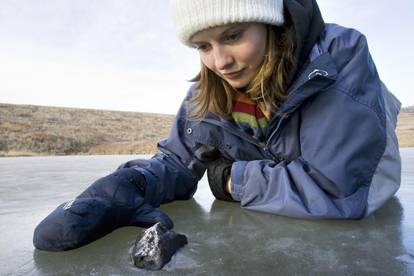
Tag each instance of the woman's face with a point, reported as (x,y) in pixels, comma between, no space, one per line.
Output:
(234,52)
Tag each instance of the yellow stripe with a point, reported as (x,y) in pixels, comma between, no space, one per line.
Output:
(245,118)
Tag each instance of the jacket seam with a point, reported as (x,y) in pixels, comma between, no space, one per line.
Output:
(380,116)
(347,92)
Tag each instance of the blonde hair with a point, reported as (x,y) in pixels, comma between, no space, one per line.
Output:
(268,87)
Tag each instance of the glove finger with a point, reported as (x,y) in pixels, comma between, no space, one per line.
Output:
(146,216)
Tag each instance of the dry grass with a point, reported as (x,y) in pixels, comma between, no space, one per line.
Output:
(38,130)
(405,129)
(27,130)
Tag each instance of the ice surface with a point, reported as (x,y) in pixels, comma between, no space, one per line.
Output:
(222,237)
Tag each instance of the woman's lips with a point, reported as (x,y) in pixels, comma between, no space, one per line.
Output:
(233,75)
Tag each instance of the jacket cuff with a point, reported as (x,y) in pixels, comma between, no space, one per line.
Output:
(237,186)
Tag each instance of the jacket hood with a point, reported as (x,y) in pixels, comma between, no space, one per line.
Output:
(308,24)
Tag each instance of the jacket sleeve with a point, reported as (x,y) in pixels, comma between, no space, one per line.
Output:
(342,136)
(330,179)
(174,172)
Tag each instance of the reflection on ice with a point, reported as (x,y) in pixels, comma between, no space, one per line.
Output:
(407,258)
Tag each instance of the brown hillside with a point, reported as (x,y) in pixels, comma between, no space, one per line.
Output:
(405,129)
(39,130)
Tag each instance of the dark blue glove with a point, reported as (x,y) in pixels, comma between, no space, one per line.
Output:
(111,202)
(218,172)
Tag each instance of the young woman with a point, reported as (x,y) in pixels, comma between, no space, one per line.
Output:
(288,115)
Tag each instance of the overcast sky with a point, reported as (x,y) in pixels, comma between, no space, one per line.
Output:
(124,55)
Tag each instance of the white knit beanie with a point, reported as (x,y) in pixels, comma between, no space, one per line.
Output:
(192,16)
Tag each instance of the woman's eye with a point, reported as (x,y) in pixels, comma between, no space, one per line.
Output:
(233,37)
(202,47)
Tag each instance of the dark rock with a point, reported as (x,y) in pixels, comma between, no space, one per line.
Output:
(156,247)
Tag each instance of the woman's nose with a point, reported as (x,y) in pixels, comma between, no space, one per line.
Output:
(222,58)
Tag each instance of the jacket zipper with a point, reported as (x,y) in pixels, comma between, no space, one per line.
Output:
(283,115)
(273,134)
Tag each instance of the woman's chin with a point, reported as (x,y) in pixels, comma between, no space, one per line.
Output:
(237,84)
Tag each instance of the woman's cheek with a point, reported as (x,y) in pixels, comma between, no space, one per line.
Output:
(256,56)
(207,60)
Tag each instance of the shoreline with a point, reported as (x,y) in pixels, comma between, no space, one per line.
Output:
(107,154)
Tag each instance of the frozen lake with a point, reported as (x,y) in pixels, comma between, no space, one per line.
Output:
(223,238)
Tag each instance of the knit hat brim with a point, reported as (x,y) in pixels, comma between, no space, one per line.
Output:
(192,16)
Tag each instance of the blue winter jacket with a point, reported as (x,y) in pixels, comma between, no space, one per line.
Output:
(330,150)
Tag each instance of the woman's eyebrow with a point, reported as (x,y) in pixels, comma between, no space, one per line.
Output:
(232,29)
(223,33)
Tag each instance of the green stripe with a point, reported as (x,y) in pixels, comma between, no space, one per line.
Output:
(250,120)
(263,123)
(245,118)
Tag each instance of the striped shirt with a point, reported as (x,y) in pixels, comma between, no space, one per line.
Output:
(248,115)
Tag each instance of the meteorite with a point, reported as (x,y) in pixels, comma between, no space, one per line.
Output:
(156,247)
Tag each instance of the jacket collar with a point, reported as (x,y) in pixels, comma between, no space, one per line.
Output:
(316,77)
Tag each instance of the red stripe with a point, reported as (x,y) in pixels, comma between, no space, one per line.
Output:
(250,109)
